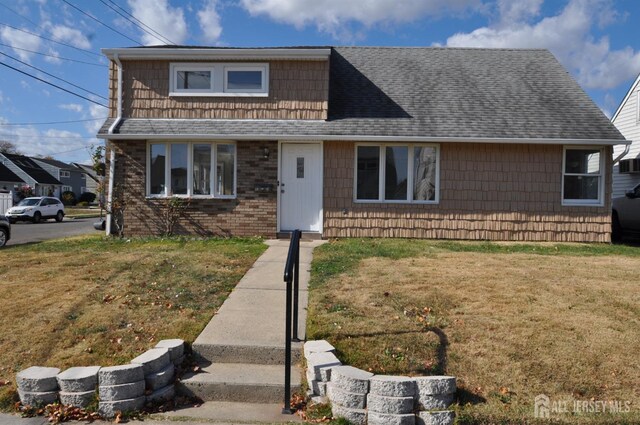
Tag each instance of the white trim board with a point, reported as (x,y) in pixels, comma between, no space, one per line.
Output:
(170,53)
(364,138)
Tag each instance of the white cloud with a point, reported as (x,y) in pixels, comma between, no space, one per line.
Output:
(75,107)
(54,60)
(567,35)
(334,16)
(32,142)
(209,20)
(99,113)
(69,35)
(159,15)
(20,40)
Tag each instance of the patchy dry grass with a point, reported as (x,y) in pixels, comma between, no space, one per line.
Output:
(88,301)
(510,321)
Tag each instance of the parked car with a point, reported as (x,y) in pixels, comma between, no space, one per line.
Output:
(625,218)
(5,231)
(35,209)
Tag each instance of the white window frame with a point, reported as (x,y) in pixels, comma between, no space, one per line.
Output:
(65,174)
(601,176)
(67,188)
(187,67)
(218,86)
(382,169)
(264,69)
(213,175)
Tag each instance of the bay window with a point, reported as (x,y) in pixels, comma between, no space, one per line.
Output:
(397,173)
(186,169)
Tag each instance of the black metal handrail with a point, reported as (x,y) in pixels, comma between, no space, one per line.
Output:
(291,277)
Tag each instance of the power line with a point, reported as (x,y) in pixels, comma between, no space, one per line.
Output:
(133,22)
(53,85)
(51,122)
(51,40)
(19,14)
(140,22)
(100,22)
(53,76)
(53,56)
(45,137)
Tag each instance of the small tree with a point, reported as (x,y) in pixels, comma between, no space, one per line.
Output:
(117,208)
(8,147)
(173,212)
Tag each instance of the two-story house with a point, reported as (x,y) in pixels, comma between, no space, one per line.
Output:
(490,144)
(626,175)
(72,178)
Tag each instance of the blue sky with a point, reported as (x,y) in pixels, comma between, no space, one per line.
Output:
(598,41)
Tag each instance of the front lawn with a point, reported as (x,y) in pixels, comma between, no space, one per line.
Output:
(510,321)
(95,301)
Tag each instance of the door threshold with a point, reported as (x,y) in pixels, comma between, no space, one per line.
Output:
(309,236)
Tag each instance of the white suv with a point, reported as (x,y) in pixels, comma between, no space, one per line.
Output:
(35,209)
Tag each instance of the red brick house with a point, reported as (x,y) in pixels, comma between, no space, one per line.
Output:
(359,142)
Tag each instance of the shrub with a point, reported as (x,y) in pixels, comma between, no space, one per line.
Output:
(68,198)
(82,204)
(87,197)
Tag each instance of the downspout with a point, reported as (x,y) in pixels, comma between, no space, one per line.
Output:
(112,158)
(619,157)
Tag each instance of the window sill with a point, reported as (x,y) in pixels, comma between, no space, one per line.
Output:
(190,197)
(375,201)
(213,94)
(582,204)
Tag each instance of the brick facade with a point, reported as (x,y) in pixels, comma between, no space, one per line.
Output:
(487,192)
(297,90)
(250,214)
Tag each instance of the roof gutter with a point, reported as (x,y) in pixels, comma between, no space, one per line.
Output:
(217,54)
(112,159)
(364,138)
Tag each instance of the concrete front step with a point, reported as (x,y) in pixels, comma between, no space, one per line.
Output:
(208,353)
(240,383)
(226,412)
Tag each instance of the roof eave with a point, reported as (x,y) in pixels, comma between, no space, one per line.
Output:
(366,138)
(169,53)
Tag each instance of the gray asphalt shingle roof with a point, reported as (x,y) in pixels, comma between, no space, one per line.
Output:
(429,92)
(29,166)
(6,175)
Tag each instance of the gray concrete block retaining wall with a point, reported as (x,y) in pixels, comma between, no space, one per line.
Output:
(147,379)
(364,398)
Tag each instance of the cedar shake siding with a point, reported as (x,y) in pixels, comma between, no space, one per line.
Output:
(298,90)
(487,192)
(249,214)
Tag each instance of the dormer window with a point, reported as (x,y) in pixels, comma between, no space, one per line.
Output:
(219,79)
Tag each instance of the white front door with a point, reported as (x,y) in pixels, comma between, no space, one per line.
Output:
(301,187)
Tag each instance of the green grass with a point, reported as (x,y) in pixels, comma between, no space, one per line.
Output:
(100,301)
(509,320)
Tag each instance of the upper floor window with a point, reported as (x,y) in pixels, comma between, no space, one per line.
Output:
(397,173)
(219,79)
(65,174)
(583,176)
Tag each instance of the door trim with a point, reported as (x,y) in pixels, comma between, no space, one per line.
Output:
(307,142)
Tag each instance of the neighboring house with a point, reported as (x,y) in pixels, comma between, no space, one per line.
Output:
(489,144)
(9,180)
(90,178)
(626,174)
(72,178)
(42,183)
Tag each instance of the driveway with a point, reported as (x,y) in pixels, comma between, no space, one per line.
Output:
(25,232)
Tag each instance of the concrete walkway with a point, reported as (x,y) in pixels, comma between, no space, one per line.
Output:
(241,350)
(254,313)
